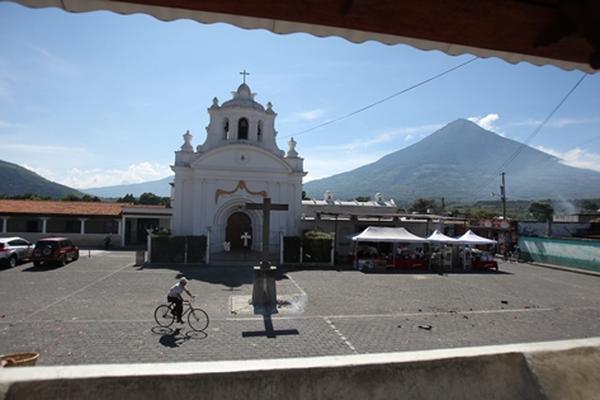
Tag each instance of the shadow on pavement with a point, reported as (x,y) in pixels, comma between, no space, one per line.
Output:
(231,277)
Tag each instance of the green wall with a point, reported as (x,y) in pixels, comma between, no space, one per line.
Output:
(576,253)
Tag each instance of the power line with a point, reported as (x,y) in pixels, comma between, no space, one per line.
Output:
(408,89)
(534,133)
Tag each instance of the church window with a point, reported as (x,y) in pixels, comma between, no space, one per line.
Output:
(259,133)
(243,129)
(225,129)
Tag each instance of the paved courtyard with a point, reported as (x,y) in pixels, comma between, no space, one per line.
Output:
(100,310)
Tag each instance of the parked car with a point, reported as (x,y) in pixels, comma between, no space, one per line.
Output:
(14,250)
(56,250)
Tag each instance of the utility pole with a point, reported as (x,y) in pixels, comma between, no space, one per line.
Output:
(503,196)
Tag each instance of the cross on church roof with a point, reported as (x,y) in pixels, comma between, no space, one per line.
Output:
(244,73)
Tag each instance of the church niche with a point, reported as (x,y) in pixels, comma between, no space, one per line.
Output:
(259,134)
(243,129)
(225,129)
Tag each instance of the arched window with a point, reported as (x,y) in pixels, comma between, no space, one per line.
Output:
(259,133)
(243,129)
(225,129)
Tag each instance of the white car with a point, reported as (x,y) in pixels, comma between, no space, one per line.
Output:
(14,250)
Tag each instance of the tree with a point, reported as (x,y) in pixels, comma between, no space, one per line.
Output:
(305,196)
(150,199)
(363,199)
(590,205)
(541,211)
(422,205)
(128,198)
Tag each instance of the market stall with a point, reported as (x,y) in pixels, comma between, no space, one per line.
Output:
(442,253)
(476,258)
(403,253)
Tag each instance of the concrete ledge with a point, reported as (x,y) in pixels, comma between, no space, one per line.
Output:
(550,370)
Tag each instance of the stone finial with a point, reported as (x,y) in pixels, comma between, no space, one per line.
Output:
(328,196)
(187,142)
(292,148)
(215,103)
(270,108)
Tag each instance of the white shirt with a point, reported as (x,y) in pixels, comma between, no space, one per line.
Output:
(176,290)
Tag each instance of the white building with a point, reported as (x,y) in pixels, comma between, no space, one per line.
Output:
(238,163)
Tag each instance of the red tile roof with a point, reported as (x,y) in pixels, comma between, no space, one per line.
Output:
(40,207)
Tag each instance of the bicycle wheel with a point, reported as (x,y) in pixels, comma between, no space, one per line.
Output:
(163,316)
(198,319)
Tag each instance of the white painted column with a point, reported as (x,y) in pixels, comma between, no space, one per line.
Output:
(280,247)
(44,225)
(82,230)
(4,224)
(208,245)
(122,231)
(332,261)
(118,221)
(149,244)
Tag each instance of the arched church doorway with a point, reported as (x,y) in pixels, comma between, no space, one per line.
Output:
(238,225)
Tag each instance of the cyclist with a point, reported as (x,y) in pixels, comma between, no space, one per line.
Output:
(174,296)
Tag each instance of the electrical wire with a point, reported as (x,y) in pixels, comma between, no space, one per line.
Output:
(533,134)
(408,89)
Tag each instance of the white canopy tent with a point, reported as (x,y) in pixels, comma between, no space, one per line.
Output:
(390,235)
(438,237)
(472,239)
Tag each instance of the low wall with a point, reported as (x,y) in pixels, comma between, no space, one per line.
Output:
(544,371)
(576,253)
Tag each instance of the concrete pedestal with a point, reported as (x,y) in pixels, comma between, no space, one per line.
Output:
(264,292)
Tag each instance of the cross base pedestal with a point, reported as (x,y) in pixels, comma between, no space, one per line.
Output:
(264,291)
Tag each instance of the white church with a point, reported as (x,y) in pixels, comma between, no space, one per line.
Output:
(238,163)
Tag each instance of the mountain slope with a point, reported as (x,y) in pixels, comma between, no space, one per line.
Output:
(159,187)
(462,161)
(16,181)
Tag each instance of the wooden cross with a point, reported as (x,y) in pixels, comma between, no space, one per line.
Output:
(244,73)
(266,208)
(245,237)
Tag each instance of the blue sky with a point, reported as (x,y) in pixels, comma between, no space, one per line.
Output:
(102,99)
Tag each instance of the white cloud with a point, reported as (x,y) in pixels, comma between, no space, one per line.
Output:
(407,132)
(310,115)
(97,177)
(575,157)
(324,165)
(10,125)
(324,161)
(42,150)
(487,122)
(555,122)
(53,61)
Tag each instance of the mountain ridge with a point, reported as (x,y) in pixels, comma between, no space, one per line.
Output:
(17,181)
(461,162)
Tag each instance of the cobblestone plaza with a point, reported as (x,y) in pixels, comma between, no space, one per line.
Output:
(100,310)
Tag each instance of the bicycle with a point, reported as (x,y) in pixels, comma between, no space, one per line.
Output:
(197,318)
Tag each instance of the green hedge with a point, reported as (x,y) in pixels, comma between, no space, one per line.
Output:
(291,249)
(317,246)
(172,249)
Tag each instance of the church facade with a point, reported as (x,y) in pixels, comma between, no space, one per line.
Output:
(238,163)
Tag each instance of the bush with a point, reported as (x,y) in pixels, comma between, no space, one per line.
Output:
(291,249)
(172,249)
(317,246)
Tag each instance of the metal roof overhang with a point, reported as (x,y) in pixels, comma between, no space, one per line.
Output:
(565,34)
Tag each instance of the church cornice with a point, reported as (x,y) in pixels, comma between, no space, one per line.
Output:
(243,146)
